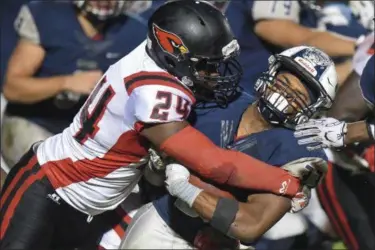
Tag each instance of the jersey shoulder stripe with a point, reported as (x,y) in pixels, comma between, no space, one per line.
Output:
(155,78)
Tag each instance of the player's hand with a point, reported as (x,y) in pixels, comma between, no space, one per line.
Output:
(177,183)
(321,133)
(309,170)
(82,82)
(300,200)
(175,173)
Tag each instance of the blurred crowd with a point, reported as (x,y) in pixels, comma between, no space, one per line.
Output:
(54,52)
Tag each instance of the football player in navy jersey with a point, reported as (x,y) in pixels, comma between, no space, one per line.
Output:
(347,194)
(272,26)
(63,49)
(293,89)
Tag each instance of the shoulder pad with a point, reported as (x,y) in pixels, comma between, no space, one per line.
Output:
(156,97)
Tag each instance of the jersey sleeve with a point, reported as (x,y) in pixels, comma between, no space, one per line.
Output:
(367,83)
(160,104)
(25,25)
(285,10)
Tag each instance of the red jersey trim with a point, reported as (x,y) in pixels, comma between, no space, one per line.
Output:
(129,148)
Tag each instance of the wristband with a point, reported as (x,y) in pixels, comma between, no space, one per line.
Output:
(224,214)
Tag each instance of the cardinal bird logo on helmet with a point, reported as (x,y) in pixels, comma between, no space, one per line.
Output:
(169,42)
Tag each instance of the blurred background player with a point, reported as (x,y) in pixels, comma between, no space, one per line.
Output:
(62,51)
(277,25)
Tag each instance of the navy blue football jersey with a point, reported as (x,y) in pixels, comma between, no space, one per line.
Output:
(220,125)
(8,38)
(367,82)
(244,14)
(55,27)
(276,146)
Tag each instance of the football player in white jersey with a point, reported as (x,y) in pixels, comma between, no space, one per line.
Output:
(143,99)
(347,194)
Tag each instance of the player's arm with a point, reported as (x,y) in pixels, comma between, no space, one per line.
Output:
(349,104)
(20,84)
(193,149)
(245,221)
(363,131)
(273,18)
(331,132)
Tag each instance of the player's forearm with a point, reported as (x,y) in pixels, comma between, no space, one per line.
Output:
(30,89)
(343,71)
(251,220)
(359,132)
(344,110)
(332,44)
(195,151)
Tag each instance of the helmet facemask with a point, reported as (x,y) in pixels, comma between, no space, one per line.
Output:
(215,81)
(282,105)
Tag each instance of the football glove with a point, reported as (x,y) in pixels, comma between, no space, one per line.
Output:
(300,200)
(321,133)
(309,170)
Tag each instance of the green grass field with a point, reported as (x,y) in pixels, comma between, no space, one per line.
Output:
(338,246)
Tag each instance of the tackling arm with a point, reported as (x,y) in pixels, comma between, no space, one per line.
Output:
(191,148)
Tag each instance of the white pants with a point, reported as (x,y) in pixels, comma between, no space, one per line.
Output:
(17,136)
(149,231)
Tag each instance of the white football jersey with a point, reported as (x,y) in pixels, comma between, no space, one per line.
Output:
(96,162)
(271,10)
(363,53)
